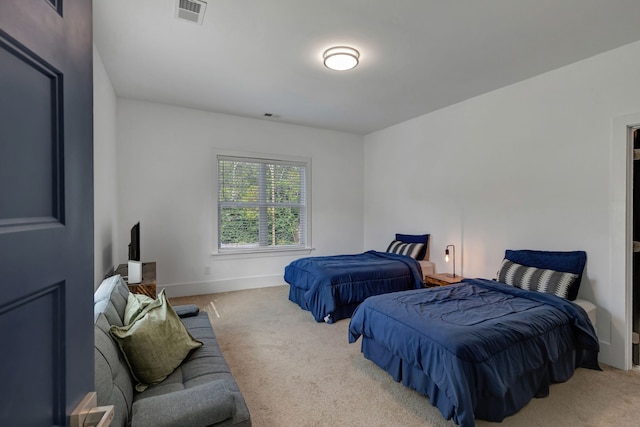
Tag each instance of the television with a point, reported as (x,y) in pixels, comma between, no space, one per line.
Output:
(134,246)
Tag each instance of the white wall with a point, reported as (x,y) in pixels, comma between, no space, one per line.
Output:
(165,160)
(526,166)
(104,169)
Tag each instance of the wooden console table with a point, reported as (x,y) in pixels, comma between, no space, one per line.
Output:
(148,284)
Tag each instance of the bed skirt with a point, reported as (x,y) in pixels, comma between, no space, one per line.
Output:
(297,295)
(491,408)
(341,311)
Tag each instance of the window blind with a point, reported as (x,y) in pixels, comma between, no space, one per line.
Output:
(262,203)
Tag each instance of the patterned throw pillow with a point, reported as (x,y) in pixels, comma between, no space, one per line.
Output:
(409,249)
(567,261)
(536,279)
(415,238)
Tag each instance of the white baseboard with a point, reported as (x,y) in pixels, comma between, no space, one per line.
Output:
(225,285)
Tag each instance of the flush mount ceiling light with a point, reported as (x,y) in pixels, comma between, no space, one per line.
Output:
(341,58)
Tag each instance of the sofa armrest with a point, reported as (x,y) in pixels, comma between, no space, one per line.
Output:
(203,405)
(187,310)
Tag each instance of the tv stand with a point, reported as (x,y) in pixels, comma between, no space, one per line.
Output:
(148,284)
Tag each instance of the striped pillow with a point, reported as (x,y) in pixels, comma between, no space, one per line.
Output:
(536,279)
(409,249)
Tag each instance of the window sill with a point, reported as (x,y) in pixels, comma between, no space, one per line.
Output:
(261,253)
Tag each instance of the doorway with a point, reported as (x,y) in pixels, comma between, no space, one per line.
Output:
(616,344)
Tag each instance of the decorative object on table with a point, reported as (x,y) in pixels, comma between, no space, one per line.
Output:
(134,272)
(446,259)
(147,285)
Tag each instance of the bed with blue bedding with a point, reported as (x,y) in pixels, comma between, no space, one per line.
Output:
(331,287)
(478,349)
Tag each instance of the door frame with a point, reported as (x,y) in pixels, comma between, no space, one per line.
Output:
(621,262)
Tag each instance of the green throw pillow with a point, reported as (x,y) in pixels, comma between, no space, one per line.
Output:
(135,304)
(155,343)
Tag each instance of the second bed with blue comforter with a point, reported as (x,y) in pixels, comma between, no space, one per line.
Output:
(331,287)
(478,349)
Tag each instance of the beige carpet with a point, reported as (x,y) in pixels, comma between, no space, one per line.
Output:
(295,372)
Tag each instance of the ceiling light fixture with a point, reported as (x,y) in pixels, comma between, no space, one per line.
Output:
(341,58)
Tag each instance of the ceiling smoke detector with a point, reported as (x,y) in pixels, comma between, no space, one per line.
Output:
(191,10)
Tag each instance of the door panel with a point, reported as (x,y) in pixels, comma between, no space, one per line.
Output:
(34,354)
(31,170)
(46,210)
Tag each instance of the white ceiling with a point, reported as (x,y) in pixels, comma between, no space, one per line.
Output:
(252,57)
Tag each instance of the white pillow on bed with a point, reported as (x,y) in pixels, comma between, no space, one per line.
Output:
(409,249)
(536,279)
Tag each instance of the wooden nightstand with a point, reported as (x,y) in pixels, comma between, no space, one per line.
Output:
(441,279)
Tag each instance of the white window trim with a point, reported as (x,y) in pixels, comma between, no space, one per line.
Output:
(257,252)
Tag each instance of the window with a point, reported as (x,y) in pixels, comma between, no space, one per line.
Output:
(262,204)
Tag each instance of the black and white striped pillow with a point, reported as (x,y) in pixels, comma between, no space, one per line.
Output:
(536,279)
(409,249)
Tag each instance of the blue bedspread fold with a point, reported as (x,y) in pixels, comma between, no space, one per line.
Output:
(325,284)
(477,338)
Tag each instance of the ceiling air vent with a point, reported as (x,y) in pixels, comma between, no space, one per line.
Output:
(191,10)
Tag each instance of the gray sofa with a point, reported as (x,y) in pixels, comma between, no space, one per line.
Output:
(200,392)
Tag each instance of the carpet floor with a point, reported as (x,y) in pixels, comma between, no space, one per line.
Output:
(294,371)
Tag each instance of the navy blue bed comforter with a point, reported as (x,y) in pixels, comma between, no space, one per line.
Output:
(477,339)
(330,287)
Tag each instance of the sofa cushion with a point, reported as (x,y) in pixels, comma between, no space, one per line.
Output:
(207,404)
(204,364)
(111,299)
(112,379)
(155,343)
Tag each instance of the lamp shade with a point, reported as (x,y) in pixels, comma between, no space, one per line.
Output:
(341,58)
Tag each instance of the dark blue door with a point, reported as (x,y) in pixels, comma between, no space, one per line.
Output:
(46,210)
